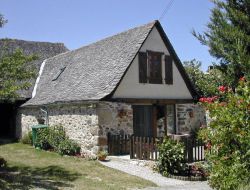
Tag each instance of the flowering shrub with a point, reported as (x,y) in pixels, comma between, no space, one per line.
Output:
(228,136)
(171,157)
(200,169)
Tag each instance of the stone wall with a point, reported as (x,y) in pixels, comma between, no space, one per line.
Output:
(87,124)
(114,118)
(189,118)
(80,123)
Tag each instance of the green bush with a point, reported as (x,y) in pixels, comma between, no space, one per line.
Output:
(200,169)
(27,138)
(68,147)
(57,135)
(43,139)
(171,157)
(55,138)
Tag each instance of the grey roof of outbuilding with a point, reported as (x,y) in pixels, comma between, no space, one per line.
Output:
(43,50)
(92,72)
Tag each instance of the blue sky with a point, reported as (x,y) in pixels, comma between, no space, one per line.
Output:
(79,22)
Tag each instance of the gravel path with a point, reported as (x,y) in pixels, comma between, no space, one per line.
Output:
(135,168)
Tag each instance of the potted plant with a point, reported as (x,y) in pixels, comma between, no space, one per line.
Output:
(102,155)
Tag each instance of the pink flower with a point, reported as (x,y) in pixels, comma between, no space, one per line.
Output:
(222,88)
(215,97)
(201,99)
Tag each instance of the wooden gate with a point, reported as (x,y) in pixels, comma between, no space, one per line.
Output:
(118,144)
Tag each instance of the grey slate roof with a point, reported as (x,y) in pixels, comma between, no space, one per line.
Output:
(43,50)
(92,72)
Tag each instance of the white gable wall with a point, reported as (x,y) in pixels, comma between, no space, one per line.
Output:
(131,88)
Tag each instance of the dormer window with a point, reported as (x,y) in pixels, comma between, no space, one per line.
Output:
(150,68)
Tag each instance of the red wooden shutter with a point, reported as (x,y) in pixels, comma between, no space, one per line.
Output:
(168,69)
(155,71)
(142,67)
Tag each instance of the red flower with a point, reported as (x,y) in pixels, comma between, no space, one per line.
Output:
(242,79)
(208,145)
(222,88)
(208,99)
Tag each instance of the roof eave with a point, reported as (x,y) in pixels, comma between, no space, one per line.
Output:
(60,103)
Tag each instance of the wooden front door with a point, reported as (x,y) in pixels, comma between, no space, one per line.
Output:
(143,121)
(154,120)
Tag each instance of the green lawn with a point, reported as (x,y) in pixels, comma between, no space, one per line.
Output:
(29,168)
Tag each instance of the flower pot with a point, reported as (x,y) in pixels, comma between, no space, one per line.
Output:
(102,158)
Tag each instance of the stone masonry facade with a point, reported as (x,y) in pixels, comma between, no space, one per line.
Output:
(87,124)
(114,118)
(190,117)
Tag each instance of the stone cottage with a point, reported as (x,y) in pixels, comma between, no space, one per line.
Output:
(129,83)
(43,50)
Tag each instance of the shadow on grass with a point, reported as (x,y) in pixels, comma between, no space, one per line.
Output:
(50,177)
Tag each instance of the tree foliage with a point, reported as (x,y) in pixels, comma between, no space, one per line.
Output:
(228,137)
(15,74)
(228,38)
(205,83)
(2,20)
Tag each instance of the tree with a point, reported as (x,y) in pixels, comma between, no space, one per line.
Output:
(206,84)
(14,71)
(2,20)
(228,38)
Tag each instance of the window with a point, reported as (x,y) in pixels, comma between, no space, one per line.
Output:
(150,68)
(59,73)
(170,117)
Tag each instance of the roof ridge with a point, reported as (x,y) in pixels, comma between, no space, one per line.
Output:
(31,41)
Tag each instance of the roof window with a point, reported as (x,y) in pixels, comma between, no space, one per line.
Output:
(59,73)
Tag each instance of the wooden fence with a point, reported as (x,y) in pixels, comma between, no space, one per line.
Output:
(118,144)
(194,150)
(145,148)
